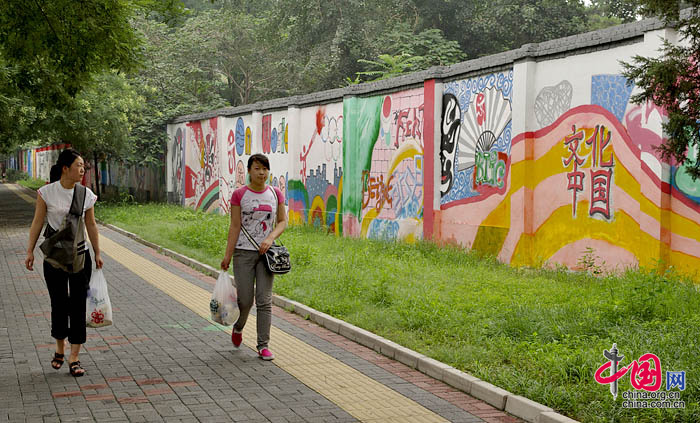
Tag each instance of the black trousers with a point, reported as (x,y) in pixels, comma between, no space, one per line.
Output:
(68,293)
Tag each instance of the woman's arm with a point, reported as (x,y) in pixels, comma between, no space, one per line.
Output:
(94,235)
(234,231)
(279,228)
(34,230)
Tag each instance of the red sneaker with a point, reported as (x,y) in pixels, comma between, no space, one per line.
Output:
(236,338)
(266,354)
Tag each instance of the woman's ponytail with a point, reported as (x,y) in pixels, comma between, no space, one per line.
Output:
(55,173)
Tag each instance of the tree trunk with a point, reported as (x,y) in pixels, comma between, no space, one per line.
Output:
(97,178)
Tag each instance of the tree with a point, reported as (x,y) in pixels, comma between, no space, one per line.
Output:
(241,51)
(672,81)
(483,28)
(50,50)
(401,51)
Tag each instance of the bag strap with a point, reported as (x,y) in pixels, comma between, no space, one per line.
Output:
(250,238)
(274,221)
(78,203)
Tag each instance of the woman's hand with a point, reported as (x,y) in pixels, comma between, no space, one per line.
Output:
(98,261)
(29,262)
(266,244)
(225,262)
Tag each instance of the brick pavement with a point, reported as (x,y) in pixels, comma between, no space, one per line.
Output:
(162,360)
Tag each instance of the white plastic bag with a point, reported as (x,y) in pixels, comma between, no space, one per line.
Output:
(99,308)
(224,301)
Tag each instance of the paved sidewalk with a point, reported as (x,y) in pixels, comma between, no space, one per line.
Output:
(164,360)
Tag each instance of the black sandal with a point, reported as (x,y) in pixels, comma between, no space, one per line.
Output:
(75,369)
(57,361)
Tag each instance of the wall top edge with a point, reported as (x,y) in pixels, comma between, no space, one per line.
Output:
(620,34)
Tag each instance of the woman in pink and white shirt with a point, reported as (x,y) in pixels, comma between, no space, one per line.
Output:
(260,209)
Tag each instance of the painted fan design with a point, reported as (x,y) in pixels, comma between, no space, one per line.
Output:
(485,119)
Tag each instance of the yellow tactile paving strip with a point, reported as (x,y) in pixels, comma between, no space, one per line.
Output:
(362,397)
(17,190)
(359,395)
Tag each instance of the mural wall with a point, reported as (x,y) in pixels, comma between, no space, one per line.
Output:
(175,163)
(235,147)
(475,150)
(383,162)
(314,188)
(540,163)
(201,178)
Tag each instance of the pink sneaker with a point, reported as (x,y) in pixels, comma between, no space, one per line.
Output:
(266,354)
(236,338)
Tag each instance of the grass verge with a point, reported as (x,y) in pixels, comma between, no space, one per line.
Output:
(32,183)
(537,333)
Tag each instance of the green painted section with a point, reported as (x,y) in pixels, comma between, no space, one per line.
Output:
(489,240)
(361,124)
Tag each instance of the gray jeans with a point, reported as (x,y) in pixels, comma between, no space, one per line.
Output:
(253,280)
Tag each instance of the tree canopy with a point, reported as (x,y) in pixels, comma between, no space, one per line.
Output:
(107,75)
(672,81)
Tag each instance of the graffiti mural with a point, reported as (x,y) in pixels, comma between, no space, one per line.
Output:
(314,191)
(202,166)
(176,152)
(476,135)
(383,157)
(235,148)
(578,157)
(275,134)
(611,92)
(552,102)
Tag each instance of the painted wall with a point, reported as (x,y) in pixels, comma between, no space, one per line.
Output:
(314,185)
(383,162)
(202,166)
(540,162)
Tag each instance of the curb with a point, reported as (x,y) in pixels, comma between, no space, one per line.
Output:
(501,399)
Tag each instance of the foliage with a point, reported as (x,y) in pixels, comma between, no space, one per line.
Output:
(240,52)
(100,121)
(14,175)
(32,183)
(387,66)
(409,52)
(672,81)
(536,333)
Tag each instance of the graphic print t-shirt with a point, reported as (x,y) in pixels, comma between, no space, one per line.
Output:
(258,213)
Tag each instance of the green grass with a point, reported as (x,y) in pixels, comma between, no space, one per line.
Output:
(32,183)
(536,333)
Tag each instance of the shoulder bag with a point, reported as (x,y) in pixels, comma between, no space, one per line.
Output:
(65,248)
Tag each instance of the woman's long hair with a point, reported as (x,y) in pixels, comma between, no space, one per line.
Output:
(66,158)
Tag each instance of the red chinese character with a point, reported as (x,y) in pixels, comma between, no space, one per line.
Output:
(598,142)
(604,380)
(575,177)
(643,376)
(600,192)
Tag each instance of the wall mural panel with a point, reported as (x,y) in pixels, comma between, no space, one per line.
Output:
(476,136)
(314,191)
(201,181)
(176,163)
(235,147)
(275,145)
(383,159)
